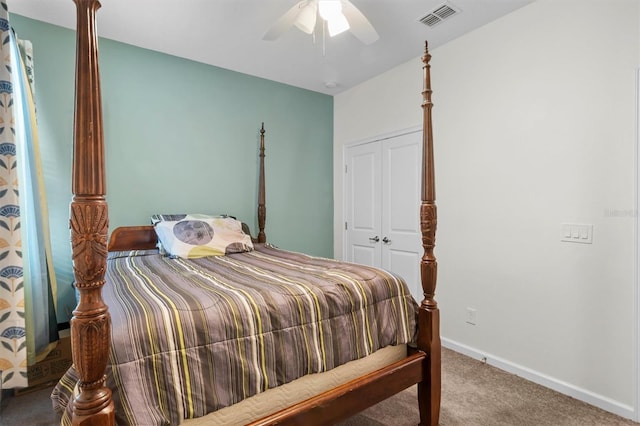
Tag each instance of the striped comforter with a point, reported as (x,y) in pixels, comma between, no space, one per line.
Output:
(192,336)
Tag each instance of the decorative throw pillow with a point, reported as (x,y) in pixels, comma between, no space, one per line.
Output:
(194,237)
(181,216)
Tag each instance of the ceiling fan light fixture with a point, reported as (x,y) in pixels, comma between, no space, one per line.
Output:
(306,20)
(337,25)
(331,11)
(340,15)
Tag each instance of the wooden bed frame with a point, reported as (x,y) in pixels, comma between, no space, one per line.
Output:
(91,323)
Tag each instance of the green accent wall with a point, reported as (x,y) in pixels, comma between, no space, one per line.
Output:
(183,137)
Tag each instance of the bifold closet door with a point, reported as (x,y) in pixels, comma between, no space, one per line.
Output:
(363,216)
(382,200)
(401,238)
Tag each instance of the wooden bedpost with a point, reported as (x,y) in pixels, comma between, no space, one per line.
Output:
(89,221)
(262,208)
(428,314)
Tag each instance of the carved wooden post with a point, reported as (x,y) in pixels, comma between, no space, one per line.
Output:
(262,208)
(428,314)
(91,323)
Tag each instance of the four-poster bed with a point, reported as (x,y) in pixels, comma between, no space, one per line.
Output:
(416,359)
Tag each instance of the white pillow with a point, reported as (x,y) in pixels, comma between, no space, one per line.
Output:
(198,237)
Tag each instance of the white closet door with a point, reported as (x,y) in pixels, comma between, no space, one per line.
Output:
(363,182)
(401,238)
(382,200)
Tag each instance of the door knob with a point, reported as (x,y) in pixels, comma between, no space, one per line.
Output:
(386,240)
(374,239)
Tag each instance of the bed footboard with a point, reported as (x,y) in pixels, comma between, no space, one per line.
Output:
(352,397)
(89,221)
(429,390)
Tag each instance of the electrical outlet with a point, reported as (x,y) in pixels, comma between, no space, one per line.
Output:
(471,316)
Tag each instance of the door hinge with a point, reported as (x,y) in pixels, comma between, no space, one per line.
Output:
(345,226)
(345,168)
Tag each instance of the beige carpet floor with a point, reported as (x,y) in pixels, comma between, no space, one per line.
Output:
(477,394)
(473,394)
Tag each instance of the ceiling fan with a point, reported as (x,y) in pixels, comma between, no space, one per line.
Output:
(339,15)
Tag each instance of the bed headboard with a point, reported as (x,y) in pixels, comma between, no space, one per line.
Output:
(133,238)
(144,237)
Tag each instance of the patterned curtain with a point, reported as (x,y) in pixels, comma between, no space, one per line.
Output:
(28,326)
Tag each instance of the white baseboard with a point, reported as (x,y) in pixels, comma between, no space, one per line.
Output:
(591,398)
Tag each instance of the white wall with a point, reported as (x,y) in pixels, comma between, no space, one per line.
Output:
(534,124)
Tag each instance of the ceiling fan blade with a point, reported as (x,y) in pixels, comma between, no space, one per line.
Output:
(285,22)
(361,28)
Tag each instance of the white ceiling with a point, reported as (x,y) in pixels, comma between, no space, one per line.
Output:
(228,34)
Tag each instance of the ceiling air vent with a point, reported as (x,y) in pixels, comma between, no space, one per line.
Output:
(439,14)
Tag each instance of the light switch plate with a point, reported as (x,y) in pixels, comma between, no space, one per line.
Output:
(577,233)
